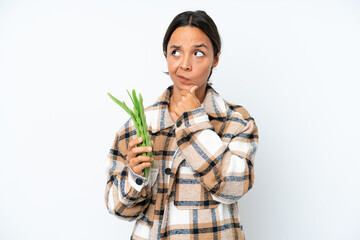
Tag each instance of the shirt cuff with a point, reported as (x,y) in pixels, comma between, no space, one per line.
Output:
(137,181)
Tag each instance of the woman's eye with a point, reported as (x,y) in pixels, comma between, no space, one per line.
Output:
(175,53)
(199,53)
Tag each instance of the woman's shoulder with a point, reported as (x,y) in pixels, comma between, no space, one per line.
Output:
(238,110)
(231,109)
(241,119)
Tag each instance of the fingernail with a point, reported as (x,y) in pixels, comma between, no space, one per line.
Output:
(140,139)
(149,148)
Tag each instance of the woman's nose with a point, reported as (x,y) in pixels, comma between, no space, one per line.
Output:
(186,63)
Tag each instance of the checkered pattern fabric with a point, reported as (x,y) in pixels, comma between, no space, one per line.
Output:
(203,166)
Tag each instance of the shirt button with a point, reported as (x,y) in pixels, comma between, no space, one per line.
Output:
(139,181)
(168,171)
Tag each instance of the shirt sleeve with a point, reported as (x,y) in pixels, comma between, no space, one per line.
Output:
(223,165)
(126,194)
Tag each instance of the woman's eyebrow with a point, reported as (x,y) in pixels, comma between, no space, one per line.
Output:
(195,46)
(201,45)
(174,46)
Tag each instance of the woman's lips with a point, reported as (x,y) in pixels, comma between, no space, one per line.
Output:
(183,79)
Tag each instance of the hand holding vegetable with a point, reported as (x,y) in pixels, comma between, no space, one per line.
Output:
(138,163)
(142,162)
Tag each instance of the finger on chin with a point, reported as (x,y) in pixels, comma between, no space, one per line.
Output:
(193,89)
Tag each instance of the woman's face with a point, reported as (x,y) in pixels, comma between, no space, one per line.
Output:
(190,57)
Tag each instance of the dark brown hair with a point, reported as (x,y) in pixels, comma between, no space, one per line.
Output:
(197,19)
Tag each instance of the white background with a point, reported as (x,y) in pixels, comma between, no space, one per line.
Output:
(294,65)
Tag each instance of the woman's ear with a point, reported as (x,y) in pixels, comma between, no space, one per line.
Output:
(216,60)
(165,53)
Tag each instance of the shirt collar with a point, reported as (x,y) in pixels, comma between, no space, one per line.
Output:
(158,116)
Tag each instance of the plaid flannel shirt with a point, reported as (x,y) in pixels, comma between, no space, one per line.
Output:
(203,164)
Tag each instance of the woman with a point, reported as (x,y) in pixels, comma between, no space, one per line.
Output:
(203,148)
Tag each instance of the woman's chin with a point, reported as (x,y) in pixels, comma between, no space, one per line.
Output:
(183,86)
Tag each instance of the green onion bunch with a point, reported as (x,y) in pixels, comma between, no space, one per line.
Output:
(139,119)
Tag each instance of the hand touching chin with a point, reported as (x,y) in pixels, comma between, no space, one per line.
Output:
(188,102)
